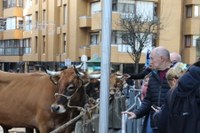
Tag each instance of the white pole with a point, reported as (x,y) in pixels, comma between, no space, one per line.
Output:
(124,118)
(105,65)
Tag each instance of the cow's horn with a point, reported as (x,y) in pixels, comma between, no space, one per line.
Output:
(79,66)
(53,73)
(95,75)
(119,77)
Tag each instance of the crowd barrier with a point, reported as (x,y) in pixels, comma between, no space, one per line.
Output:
(118,123)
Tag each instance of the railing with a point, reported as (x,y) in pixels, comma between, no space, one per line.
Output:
(132,126)
(126,126)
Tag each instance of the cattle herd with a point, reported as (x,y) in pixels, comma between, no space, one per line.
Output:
(46,100)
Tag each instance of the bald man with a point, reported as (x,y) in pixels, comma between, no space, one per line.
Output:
(175,57)
(157,89)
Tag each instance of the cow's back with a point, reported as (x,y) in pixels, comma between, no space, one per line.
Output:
(25,99)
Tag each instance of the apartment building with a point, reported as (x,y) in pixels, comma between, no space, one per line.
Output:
(55,32)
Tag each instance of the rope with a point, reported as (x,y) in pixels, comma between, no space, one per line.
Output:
(64,126)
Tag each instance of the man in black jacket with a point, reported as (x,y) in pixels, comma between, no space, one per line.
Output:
(157,88)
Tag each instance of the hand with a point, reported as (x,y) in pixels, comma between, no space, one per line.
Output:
(131,114)
(155,108)
(126,76)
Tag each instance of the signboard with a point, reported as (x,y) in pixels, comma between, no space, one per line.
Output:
(68,62)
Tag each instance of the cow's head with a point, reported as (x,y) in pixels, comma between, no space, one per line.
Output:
(71,91)
(117,82)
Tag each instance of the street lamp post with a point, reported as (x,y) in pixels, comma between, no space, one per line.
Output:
(105,65)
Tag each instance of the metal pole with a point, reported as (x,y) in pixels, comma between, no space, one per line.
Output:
(105,65)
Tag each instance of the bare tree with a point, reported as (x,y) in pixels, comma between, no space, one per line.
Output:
(138,33)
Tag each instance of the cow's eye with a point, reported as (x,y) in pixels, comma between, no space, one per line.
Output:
(70,87)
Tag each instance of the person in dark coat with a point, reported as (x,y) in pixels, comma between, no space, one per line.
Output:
(157,89)
(181,112)
(172,76)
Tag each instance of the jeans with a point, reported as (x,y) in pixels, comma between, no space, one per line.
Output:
(149,129)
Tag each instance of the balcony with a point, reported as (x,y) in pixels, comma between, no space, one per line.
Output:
(13,34)
(97,19)
(191,26)
(15,11)
(191,2)
(84,21)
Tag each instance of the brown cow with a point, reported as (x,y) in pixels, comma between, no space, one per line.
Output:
(26,99)
(117,83)
(71,93)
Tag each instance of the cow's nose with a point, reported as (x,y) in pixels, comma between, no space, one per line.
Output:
(55,108)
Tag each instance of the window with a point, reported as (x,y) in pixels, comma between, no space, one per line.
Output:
(64,43)
(20,3)
(28,22)
(27,46)
(2,48)
(126,6)
(94,38)
(44,18)
(154,39)
(194,40)
(10,47)
(36,20)
(197,11)
(155,11)
(95,7)
(188,11)
(121,40)
(44,44)
(64,14)
(2,24)
(145,10)
(5,4)
(19,23)
(116,37)
(11,3)
(28,3)
(114,5)
(117,40)
(36,44)
(187,41)
(11,23)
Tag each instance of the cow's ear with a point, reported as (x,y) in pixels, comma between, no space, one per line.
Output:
(54,79)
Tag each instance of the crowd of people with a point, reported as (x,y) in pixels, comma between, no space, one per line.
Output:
(170,94)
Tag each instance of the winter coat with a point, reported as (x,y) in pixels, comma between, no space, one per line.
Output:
(155,95)
(181,112)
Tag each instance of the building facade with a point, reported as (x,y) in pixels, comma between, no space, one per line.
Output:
(51,32)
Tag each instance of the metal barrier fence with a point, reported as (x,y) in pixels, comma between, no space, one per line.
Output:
(133,102)
(117,121)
